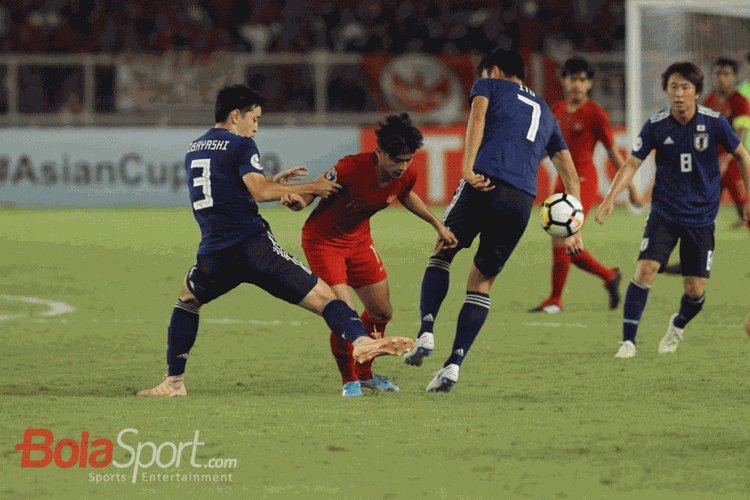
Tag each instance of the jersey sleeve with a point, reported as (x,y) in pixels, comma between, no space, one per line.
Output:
(644,143)
(556,142)
(726,136)
(248,158)
(603,129)
(343,171)
(480,87)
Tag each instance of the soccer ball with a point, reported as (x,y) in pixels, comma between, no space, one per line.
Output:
(561,215)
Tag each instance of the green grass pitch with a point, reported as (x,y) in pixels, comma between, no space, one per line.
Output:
(542,409)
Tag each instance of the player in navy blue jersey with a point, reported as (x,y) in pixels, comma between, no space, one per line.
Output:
(226,180)
(685,199)
(509,130)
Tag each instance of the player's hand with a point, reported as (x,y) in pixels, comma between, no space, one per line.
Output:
(603,212)
(290,174)
(324,187)
(293,201)
(446,238)
(573,244)
(478,181)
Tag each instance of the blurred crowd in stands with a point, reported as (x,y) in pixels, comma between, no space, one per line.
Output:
(360,26)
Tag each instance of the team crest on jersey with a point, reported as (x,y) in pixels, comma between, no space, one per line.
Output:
(700,141)
(578,126)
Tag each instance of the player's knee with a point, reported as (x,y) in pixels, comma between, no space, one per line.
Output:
(694,287)
(646,272)
(383,312)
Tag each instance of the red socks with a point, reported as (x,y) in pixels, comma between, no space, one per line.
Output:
(342,351)
(560,269)
(561,266)
(587,262)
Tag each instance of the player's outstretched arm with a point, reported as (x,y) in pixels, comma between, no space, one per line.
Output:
(415,205)
(622,179)
(264,189)
(636,198)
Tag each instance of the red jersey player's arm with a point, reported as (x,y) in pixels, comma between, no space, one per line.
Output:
(744,160)
(263,188)
(415,205)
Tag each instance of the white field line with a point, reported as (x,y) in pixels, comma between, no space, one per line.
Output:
(55,307)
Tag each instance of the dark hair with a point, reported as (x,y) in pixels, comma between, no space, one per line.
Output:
(688,71)
(239,97)
(484,64)
(725,62)
(397,136)
(511,63)
(576,65)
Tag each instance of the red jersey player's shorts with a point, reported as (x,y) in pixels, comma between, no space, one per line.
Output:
(355,263)
(589,191)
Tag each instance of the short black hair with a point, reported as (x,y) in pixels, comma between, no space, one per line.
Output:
(725,62)
(484,64)
(234,97)
(688,71)
(511,63)
(397,136)
(576,65)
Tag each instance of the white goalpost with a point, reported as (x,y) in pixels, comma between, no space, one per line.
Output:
(661,32)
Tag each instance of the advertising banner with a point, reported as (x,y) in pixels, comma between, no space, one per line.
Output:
(138,167)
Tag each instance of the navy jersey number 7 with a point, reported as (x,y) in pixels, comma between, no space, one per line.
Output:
(519,128)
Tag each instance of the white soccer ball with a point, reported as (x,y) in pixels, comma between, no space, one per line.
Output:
(561,215)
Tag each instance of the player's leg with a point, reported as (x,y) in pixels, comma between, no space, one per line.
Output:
(696,255)
(210,277)
(513,206)
(378,312)
(586,262)
(560,270)
(329,263)
(659,239)
(436,277)
(731,182)
(181,335)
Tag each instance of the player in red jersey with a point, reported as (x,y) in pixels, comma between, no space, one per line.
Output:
(583,124)
(736,109)
(338,245)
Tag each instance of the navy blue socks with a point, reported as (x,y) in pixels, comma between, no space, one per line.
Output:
(689,308)
(635,302)
(343,320)
(434,289)
(470,320)
(181,334)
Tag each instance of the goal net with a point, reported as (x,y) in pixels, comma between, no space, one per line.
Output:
(661,32)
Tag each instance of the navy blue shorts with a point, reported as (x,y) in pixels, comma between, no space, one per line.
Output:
(499,217)
(696,245)
(258,260)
